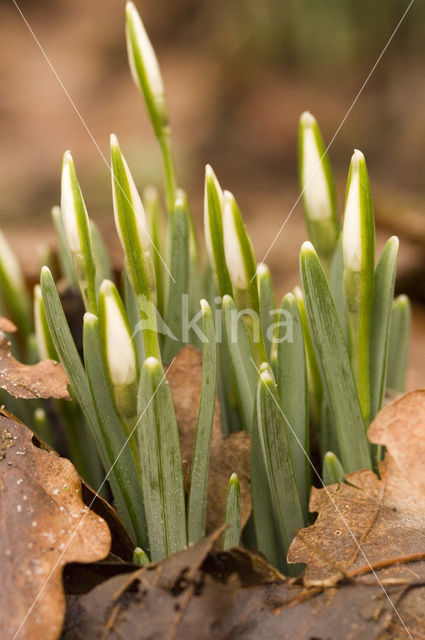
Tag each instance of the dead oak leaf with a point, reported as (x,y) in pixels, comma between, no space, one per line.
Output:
(201,595)
(370,523)
(44,525)
(227,455)
(47,379)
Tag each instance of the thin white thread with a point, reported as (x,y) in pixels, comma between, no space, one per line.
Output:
(89,507)
(336,133)
(90,134)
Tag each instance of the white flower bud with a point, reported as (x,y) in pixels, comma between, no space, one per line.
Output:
(133,199)
(232,246)
(70,212)
(120,352)
(142,47)
(352,230)
(318,200)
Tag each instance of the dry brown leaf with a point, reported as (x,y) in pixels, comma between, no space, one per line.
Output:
(232,596)
(228,455)
(373,523)
(41,508)
(47,379)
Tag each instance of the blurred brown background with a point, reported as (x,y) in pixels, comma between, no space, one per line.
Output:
(238,73)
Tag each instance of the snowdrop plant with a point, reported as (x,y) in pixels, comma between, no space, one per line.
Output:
(303,377)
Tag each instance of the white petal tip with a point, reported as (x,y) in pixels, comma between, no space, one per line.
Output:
(307,119)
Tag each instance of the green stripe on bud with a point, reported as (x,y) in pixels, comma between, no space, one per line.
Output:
(318,189)
(358,245)
(131,224)
(239,255)
(119,350)
(77,229)
(213,229)
(145,69)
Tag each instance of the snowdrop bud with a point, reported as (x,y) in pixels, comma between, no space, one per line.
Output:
(213,198)
(232,245)
(318,190)
(131,223)
(120,352)
(77,230)
(72,204)
(145,69)
(358,237)
(352,231)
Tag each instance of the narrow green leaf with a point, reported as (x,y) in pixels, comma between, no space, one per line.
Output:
(334,362)
(160,463)
(266,535)
(64,254)
(313,372)
(45,346)
(385,274)
(100,254)
(336,284)
(332,469)
(358,244)
(233,514)
(70,359)
(238,344)
(399,343)
(273,436)
(178,290)
(201,453)
(118,443)
(293,394)
(268,305)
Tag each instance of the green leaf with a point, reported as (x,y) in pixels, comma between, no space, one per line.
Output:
(64,254)
(70,359)
(273,437)
(179,289)
(334,363)
(385,274)
(336,284)
(100,254)
(293,394)
(238,344)
(399,343)
(313,372)
(268,305)
(332,469)
(199,476)
(266,536)
(233,514)
(358,245)
(120,445)
(160,463)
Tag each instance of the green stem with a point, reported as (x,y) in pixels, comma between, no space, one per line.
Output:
(169,172)
(150,335)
